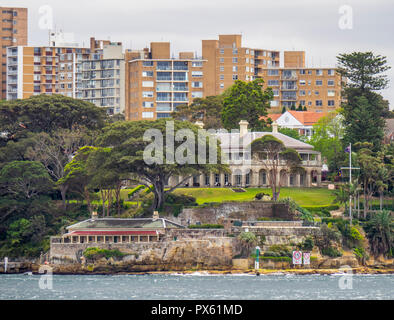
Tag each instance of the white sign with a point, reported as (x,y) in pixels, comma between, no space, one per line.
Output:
(307,258)
(297,257)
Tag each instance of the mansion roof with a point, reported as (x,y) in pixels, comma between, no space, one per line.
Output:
(114,224)
(229,141)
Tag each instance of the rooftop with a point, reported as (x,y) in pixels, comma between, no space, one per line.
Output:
(117,223)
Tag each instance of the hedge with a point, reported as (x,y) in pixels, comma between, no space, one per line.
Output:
(321,208)
(135,190)
(206,226)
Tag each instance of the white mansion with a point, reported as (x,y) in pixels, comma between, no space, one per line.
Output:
(252,173)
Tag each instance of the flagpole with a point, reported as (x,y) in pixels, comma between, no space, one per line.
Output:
(350,178)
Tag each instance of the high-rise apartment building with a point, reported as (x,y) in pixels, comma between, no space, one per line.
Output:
(44,70)
(13,32)
(156,83)
(228,60)
(103,80)
(317,89)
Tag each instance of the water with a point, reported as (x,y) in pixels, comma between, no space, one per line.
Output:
(198,286)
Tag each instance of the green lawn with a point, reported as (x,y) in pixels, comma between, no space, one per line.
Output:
(303,196)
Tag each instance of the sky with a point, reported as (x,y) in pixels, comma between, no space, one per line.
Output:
(310,25)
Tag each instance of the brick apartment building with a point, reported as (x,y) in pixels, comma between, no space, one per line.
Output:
(13,32)
(156,83)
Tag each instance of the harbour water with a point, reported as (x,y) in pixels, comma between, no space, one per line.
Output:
(198,286)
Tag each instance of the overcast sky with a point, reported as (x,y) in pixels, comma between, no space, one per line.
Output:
(310,25)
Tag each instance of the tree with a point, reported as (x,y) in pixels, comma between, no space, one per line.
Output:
(76,175)
(284,110)
(293,133)
(364,109)
(45,113)
(380,233)
(248,240)
(299,107)
(364,70)
(246,101)
(24,179)
(363,119)
(208,110)
(327,138)
(277,160)
(55,151)
(151,162)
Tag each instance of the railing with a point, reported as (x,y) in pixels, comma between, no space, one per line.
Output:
(292,88)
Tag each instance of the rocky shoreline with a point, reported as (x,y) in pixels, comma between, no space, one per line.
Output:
(79,269)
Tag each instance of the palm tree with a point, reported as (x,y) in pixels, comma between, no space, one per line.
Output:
(342,196)
(248,240)
(380,233)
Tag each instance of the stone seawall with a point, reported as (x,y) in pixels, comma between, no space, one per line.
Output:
(246,211)
(210,253)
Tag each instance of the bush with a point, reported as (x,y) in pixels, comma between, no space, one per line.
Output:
(207,226)
(308,244)
(135,190)
(331,252)
(360,253)
(97,253)
(321,208)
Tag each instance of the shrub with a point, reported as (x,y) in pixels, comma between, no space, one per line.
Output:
(360,253)
(135,190)
(206,226)
(308,244)
(331,252)
(97,253)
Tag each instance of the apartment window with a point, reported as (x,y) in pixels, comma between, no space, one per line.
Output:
(276,92)
(331,72)
(273,72)
(15,13)
(331,103)
(247,51)
(319,72)
(302,92)
(235,51)
(197,74)
(317,92)
(273,83)
(302,71)
(197,94)
(147,84)
(197,64)
(246,69)
(221,68)
(331,83)
(309,82)
(222,77)
(163,107)
(235,69)
(235,77)
(331,93)
(221,51)
(197,85)
(70,85)
(147,63)
(309,72)
(222,86)
(274,103)
(319,103)
(147,74)
(302,102)
(147,94)
(302,82)
(221,60)
(146,115)
(247,60)
(319,82)
(235,60)
(147,104)
(163,115)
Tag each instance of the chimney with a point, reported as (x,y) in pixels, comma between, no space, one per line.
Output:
(243,128)
(156,215)
(94,215)
(275,127)
(200,124)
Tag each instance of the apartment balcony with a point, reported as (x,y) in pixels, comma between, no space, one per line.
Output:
(294,88)
(285,78)
(164,79)
(12,71)
(288,98)
(12,81)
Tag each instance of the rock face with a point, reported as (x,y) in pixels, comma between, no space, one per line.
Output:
(211,253)
(246,211)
